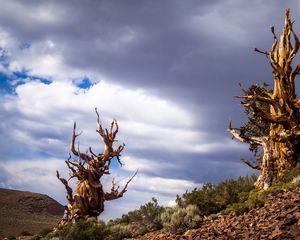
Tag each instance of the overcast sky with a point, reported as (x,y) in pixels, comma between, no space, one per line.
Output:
(166,70)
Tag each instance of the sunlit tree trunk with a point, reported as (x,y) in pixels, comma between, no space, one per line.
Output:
(281,145)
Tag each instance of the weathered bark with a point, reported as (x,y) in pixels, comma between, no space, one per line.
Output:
(281,144)
(89,196)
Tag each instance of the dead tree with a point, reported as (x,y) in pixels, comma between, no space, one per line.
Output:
(89,167)
(274,114)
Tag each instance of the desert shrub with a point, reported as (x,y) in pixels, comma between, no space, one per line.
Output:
(256,199)
(142,220)
(82,230)
(44,232)
(150,213)
(296,181)
(180,219)
(138,229)
(166,217)
(118,232)
(239,208)
(212,199)
(290,174)
(26,233)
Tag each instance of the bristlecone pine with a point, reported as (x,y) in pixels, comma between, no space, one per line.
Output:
(89,197)
(275,112)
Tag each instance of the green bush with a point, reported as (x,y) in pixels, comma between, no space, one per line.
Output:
(142,220)
(296,181)
(138,229)
(44,232)
(82,230)
(119,232)
(290,174)
(180,219)
(211,199)
(237,208)
(256,199)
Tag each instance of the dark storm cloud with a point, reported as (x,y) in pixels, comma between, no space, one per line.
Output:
(172,55)
(207,167)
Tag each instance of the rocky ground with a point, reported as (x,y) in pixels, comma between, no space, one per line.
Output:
(278,219)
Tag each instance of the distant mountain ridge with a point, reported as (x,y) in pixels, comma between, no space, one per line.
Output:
(27,211)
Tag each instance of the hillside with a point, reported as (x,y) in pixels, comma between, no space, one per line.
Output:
(279,218)
(27,211)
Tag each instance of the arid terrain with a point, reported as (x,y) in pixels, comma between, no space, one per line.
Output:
(26,211)
(278,219)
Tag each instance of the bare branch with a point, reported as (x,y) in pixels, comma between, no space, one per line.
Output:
(115,194)
(69,190)
(242,137)
(262,52)
(260,99)
(254,166)
(95,155)
(74,136)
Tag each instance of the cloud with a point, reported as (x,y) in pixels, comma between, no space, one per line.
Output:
(217,24)
(37,175)
(163,185)
(40,117)
(44,111)
(132,163)
(166,71)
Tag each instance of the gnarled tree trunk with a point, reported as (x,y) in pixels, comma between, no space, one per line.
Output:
(281,144)
(89,197)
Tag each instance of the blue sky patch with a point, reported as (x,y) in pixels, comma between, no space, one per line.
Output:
(86,83)
(5,87)
(6,81)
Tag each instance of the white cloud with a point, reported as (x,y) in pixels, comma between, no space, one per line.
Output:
(37,175)
(45,60)
(52,108)
(162,185)
(45,114)
(7,42)
(132,163)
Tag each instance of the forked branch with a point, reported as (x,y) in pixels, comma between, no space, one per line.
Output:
(109,137)
(114,193)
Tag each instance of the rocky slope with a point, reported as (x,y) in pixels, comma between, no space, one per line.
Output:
(278,219)
(27,211)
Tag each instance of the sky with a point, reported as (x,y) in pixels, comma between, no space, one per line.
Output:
(168,71)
